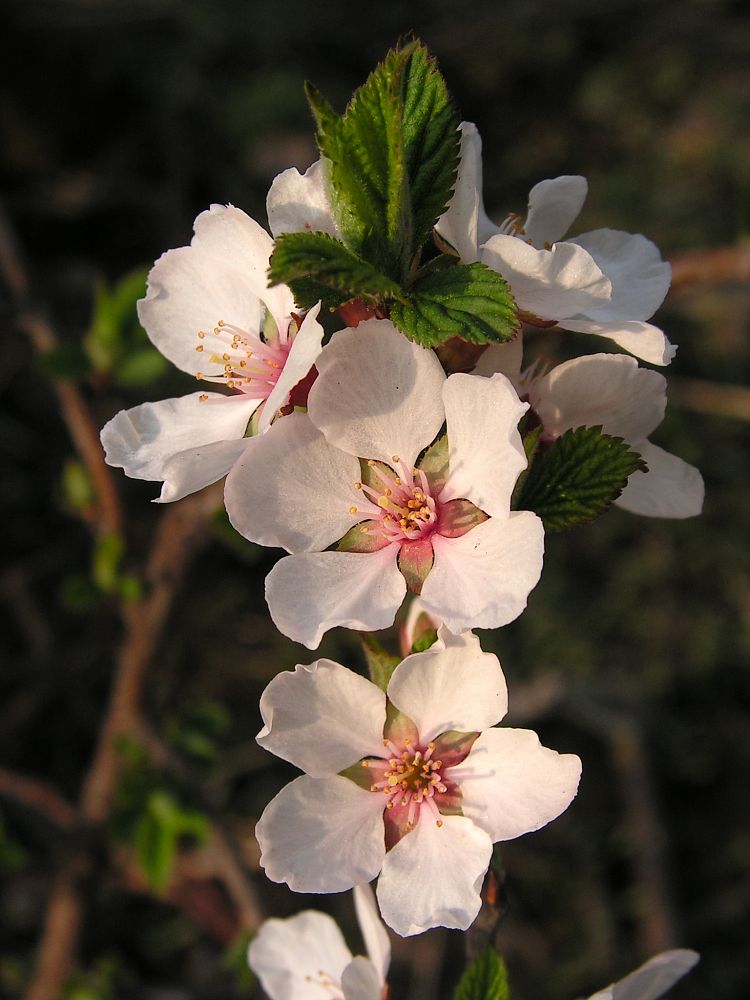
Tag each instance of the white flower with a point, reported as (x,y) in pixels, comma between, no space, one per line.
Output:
(204,309)
(653,979)
(611,391)
(306,958)
(429,784)
(444,526)
(299,202)
(603,282)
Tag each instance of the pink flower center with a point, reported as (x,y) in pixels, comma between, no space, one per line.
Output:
(399,502)
(251,365)
(411,780)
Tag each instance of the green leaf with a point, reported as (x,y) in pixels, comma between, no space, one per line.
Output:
(317,267)
(393,158)
(578,477)
(468,301)
(158,835)
(380,662)
(108,553)
(485,979)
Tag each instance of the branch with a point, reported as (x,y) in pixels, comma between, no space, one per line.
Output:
(706,268)
(38,796)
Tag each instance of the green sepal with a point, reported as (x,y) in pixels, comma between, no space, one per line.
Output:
(578,477)
(468,301)
(319,267)
(380,663)
(485,979)
(423,642)
(434,464)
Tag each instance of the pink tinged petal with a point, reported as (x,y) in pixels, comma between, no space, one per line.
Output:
(233,238)
(299,202)
(670,488)
(601,389)
(433,876)
(288,956)
(322,718)
(304,351)
(188,291)
(465,224)
(486,451)
(375,936)
(322,835)
(640,278)
(292,489)
(552,283)
(310,593)
(142,440)
(483,578)
(644,340)
(454,685)
(654,978)
(553,205)
(512,785)
(195,468)
(503,358)
(378,394)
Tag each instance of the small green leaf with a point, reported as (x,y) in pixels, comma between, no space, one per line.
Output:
(380,662)
(108,554)
(78,489)
(578,477)
(468,301)
(317,266)
(485,979)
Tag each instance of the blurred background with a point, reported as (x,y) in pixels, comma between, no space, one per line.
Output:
(129,868)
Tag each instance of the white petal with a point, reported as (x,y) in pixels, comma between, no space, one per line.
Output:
(322,835)
(378,394)
(299,202)
(142,440)
(288,955)
(670,488)
(511,784)
(453,685)
(233,238)
(465,224)
(640,278)
(483,578)
(654,978)
(375,936)
(322,718)
(433,876)
(486,453)
(304,351)
(292,489)
(188,291)
(601,389)
(195,468)
(644,340)
(360,980)
(552,283)
(553,206)
(503,358)
(310,593)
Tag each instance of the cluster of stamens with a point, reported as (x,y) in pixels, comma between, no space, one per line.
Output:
(326,982)
(411,779)
(512,225)
(249,364)
(400,501)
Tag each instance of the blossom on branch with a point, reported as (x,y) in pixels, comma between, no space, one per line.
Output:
(604,282)
(348,473)
(415,785)
(306,958)
(209,310)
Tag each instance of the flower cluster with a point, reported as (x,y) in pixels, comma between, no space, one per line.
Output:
(384,466)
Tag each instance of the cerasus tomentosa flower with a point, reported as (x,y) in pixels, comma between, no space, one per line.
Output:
(611,391)
(305,957)
(443,525)
(415,786)
(604,282)
(209,310)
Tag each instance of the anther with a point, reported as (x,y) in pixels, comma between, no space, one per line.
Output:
(203,397)
(395,458)
(199,347)
(199,375)
(358,486)
(221,323)
(201,334)
(352,510)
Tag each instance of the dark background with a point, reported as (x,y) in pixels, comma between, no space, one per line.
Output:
(120,122)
